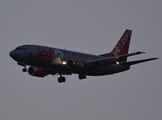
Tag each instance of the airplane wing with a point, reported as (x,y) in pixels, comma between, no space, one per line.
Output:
(111,60)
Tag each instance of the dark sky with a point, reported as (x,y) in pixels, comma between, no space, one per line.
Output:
(91,26)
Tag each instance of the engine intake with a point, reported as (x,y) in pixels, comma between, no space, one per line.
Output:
(75,64)
(36,71)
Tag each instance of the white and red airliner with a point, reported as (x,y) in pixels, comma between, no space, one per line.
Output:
(43,60)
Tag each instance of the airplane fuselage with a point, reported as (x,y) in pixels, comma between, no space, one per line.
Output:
(55,59)
(47,60)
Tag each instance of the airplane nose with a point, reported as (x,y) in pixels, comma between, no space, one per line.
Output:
(13,54)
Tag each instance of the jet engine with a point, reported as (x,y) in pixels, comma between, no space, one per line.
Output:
(75,64)
(36,71)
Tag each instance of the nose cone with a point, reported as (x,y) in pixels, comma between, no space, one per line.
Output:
(16,55)
(13,54)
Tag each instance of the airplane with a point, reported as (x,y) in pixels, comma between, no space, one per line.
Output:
(43,60)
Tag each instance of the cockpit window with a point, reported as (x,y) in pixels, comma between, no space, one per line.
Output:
(20,48)
(23,48)
(17,48)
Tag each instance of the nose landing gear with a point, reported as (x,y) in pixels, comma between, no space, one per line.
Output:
(24,65)
(24,69)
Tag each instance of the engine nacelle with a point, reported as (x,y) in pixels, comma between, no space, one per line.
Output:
(36,71)
(75,64)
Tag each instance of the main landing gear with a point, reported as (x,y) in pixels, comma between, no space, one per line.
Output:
(61,79)
(82,76)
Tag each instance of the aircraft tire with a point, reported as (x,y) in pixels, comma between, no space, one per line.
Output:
(61,79)
(82,76)
(24,69)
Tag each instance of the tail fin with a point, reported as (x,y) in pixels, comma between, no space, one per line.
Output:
(122,46)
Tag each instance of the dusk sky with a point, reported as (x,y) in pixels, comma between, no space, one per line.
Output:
(89,26)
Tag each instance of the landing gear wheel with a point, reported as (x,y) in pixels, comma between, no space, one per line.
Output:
(61,79)
(24,69)
(82,76)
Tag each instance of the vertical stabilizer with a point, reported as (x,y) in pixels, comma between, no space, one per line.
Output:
(122,46)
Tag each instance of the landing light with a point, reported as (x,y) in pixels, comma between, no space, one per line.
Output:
(64,63)
(117,62)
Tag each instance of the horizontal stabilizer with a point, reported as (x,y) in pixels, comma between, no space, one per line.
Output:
(138,61)
(109,60)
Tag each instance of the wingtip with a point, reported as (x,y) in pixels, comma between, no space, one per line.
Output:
(140,52)
(143,52)
(153,58)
